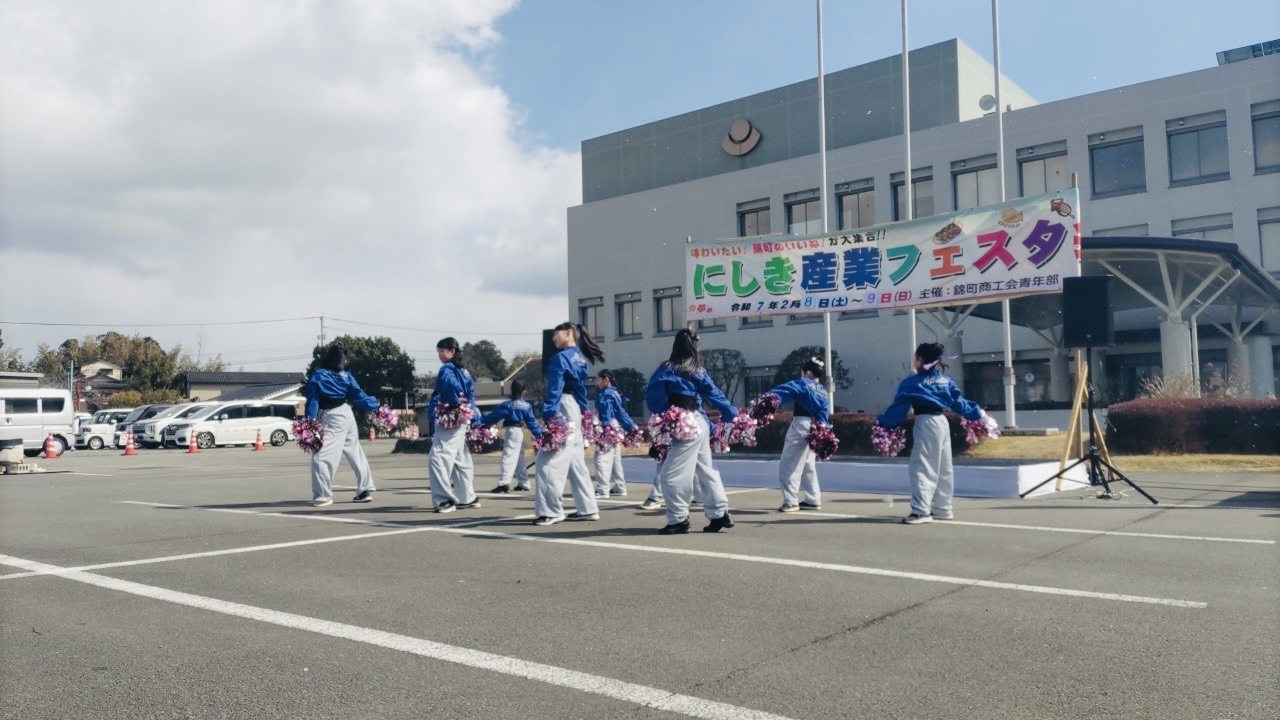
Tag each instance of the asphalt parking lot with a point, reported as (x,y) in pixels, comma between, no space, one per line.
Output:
(169,585)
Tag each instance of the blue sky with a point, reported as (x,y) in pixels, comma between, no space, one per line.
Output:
(584,68)
(403,167)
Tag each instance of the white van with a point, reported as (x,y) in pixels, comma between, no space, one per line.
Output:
(100,431)
(32,414)
(236,422)
(150,432)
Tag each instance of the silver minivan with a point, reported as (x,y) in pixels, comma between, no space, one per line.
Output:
(33,414)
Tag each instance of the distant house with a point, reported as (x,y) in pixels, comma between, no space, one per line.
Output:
(20,379)
(213,385)
(290,391)
(102,367)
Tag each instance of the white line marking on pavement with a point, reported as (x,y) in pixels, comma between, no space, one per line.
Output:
(1038,528)
(462,528)
(642,695)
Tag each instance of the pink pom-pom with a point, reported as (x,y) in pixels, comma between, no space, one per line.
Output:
(554,436)
(454,416)
(384,419)
(763,408)
(888,442)
(309,433)
(590,427)
(481,436)
(635,438)
(823,441)
(610,436)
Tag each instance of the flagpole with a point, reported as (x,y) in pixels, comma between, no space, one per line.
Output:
(822,196)
(906,212)
(1011,412)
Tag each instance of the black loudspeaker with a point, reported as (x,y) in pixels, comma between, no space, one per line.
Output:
(1086,312)
(548,346)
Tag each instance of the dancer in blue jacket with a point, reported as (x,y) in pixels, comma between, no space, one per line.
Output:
(513,414)
(682,382)
(610,410)
(566,373)
(330,393)
(449,462)
(798,468)
(928,393)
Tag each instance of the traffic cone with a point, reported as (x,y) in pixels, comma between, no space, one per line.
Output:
(257,444)
(128,444)
(193,445)
(372,436)
(50,452)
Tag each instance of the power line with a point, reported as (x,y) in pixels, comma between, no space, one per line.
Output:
(138,325)
(431,330)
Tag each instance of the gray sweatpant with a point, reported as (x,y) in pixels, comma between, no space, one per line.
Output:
(341,439)
(609,470)
(512,462)
(553,468)
(798,466)
(449,467)
(688,470)
(932,480)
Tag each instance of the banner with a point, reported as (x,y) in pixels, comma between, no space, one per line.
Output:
(1020,247)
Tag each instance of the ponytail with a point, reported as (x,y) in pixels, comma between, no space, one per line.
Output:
(588,345)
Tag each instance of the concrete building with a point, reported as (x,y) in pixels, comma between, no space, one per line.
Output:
(1179,181)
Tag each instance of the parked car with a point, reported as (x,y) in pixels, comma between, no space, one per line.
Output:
(33,414)
(100,431)
(150,432)
(237,422)
(142,412)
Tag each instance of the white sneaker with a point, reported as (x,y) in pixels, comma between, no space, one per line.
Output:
(322,503)
(941,516)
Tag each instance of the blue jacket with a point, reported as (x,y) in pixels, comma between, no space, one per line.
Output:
(930,389)
(332,385)
(666,382)
(516,411)
(807,396)
(566,371)
(610,407)
(454,386)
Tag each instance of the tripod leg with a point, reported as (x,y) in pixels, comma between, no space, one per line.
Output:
(1121,476)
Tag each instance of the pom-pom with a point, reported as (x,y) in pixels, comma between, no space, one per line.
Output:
(975,431)
(674,425)
(763,408)
(384,419)
(590,428)
(309,433)
(454,416)
(822,440)
(635,438)
(741,431)
(658,451)
(480,436)
(610,436)
(888,442)
(554,436)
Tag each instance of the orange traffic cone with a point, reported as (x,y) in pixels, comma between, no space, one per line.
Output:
(128,444)
(372,436)
(193,444)
(50,451)
(257,444)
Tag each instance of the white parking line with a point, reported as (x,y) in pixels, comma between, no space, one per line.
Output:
(642,695)
(468,529)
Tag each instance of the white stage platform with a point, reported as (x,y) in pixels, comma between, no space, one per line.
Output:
(1004,479)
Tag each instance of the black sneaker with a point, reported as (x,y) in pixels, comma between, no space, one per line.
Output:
(723,522)
(469,506)
(446,507)
(364,497)
(543,521)
(618,492)
(680,528)
(523,488)
(584,516)
(501,489)
(789,508)
(809,506)
(914,519)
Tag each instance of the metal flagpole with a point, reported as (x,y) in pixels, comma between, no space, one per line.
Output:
(822,195)
(906,211)
(1011,416)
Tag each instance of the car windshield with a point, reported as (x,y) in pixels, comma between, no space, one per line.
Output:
(101,417)
(169,412)
(193,410)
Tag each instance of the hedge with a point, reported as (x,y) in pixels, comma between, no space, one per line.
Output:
(1194,425)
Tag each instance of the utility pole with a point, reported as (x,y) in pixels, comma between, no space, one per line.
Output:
(322,343)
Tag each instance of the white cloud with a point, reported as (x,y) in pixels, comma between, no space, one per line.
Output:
(213,161)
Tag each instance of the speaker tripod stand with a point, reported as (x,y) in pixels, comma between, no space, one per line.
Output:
(1098,469)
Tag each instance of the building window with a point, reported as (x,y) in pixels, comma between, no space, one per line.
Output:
(1269,235)
(1198,149)
(975,183)
(751,322)
(590,312)
(758,382)
(1117,163)
(716,325)
(627,306)
(1208,227)
(753,218)
(667,309)
(1043,169)
(1266,137)
(857,204)
(1142,230)
(804,213)
(921,198)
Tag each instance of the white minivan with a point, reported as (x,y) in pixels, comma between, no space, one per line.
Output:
(100,431)
(33,414)
(236,422)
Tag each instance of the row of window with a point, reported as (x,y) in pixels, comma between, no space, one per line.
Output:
(1117,164)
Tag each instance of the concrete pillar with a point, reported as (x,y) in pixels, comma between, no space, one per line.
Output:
(953,341)
(1060,376)
(1261,365)
(1175,350)
(1239,369)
